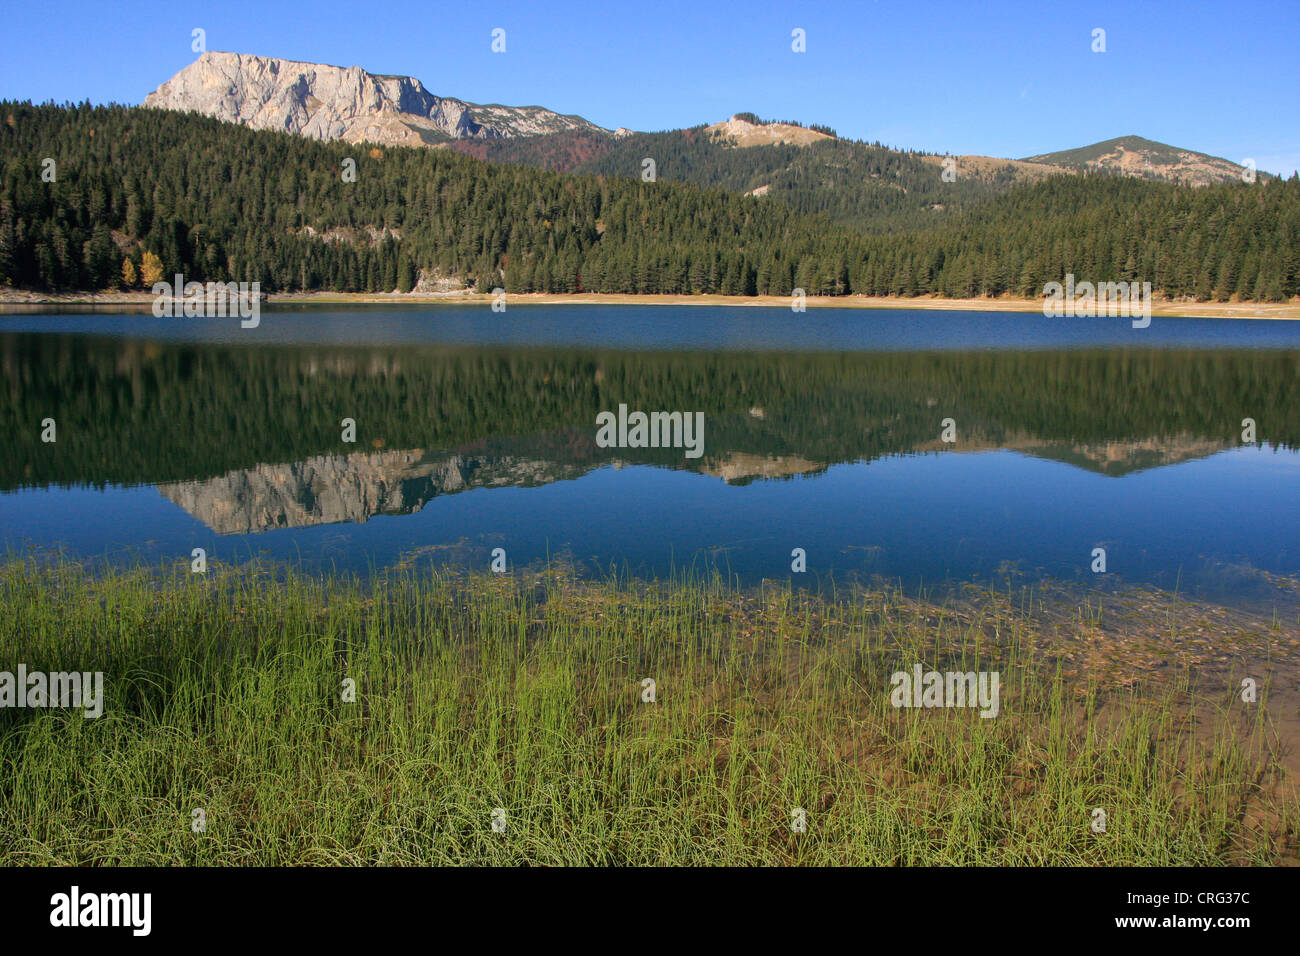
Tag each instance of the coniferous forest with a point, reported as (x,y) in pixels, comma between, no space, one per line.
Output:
(136,195)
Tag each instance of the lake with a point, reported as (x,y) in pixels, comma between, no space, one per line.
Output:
(824,431)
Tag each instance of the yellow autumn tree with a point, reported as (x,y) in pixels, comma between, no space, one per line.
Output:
(129,278)
(151,269)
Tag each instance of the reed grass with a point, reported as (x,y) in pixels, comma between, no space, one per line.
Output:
(475,693)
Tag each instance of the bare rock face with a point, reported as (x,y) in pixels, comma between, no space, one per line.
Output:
(742,133)
(330,489)
(331,102)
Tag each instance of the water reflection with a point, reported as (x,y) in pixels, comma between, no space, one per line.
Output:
(247,441)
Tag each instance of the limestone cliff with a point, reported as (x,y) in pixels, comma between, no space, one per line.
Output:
(332,102)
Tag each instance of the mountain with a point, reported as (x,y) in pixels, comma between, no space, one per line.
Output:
(1135,156)
(331,102)
(866,186)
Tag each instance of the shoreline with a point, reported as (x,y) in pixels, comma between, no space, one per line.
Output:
(18,301)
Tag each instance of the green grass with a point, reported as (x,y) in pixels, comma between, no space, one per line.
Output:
(474,693)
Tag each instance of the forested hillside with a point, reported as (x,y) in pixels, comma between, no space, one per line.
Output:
(141,194)
(1210,242)
(867,187)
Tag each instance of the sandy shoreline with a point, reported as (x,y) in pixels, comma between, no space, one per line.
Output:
(12,300)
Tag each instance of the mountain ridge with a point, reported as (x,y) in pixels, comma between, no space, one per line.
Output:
(327,102)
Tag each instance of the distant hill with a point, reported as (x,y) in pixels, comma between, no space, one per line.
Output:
(1135,156)
(867,186)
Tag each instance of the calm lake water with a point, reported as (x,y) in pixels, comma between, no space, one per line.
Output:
(823,431)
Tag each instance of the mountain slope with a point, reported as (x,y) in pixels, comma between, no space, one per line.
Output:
(1135,156)
(866,186)
(331,102)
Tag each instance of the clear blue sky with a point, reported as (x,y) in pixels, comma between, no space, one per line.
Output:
(1003,79)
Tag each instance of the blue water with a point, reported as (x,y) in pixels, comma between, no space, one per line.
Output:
(1211,519)
(679,327)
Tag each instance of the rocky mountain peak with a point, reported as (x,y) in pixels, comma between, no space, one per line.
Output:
(741,130)
(332,102)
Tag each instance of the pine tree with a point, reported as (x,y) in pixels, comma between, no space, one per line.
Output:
(405,274)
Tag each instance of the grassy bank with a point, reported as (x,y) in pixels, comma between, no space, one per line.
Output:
(223,692)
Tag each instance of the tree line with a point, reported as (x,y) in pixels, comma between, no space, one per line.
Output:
(97,197)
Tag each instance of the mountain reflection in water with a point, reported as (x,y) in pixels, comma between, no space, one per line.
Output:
(246,441)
